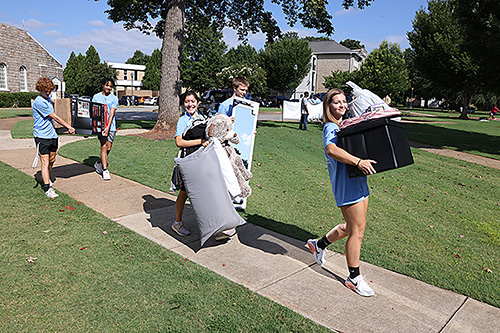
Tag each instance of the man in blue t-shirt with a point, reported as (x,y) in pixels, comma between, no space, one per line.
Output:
(108,135)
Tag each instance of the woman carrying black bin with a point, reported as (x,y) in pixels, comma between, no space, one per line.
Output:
(351,194)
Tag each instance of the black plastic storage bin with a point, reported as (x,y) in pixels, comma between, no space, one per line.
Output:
(382,140)
(87,117)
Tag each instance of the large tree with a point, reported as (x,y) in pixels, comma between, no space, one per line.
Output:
(245,16)
(420,86)
(243,60)
(255,75)
(352,44)
(83,73)
(384,72)
(139,58)
(286,62)
(481,25)
(339,78)
(71,71)
(152,73)
(442,54)
(243,54)
(202,57)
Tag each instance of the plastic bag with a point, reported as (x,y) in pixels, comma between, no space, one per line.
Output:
(364,101)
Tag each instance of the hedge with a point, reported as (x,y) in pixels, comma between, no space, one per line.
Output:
(20,99)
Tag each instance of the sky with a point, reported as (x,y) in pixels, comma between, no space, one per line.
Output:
(62,26)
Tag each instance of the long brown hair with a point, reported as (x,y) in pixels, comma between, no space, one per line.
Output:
(327,115)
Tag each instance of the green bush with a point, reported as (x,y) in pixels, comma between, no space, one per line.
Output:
(20,99)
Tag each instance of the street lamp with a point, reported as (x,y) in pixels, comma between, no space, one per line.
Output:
(411,98)
(132,83)
(295,67)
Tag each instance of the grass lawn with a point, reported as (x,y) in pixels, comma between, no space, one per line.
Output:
(16,112)
(435,220)
(261,109)
(444,129)
(91,274)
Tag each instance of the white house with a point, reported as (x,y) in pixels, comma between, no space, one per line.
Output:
(327,57)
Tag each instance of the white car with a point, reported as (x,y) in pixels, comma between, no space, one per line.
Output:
(151,101)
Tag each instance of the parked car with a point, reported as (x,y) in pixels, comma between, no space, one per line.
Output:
(128,100)
(151,101)
(277,101)
(262,103)
(211,100)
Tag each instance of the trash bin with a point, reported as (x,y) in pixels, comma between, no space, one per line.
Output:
(382,140)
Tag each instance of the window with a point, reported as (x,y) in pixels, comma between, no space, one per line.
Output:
(3,76)
(23,86)
(125,74)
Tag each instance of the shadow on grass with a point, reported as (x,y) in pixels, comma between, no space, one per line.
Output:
(457,139)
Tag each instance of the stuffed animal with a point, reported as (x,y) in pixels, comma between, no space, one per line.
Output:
(220,127)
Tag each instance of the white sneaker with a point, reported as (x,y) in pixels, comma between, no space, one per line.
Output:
(225,234)
(319,254)
(359,285)
(51,193)
(105,175)
(98,167)
(180,229)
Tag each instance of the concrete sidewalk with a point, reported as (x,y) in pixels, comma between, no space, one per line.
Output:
(273,265)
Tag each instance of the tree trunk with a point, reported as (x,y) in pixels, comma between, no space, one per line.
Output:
(463,114)
(170,82)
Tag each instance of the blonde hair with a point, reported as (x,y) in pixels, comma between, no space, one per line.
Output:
(45,84)
(327,115)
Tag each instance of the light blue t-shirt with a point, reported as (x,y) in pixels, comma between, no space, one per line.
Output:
(226,107)
(111,101)
(183,123)
(43,125)
(345,190)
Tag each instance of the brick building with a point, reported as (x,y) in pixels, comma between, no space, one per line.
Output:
(23,61)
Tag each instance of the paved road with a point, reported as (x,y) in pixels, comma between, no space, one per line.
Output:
(137,113)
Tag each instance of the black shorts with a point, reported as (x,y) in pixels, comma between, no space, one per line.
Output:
(47,145)
(110,138)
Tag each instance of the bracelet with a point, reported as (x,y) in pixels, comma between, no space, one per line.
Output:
(357,164)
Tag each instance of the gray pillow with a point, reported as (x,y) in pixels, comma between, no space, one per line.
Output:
(207,191)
